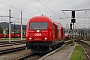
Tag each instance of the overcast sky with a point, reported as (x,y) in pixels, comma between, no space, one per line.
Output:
(51,8)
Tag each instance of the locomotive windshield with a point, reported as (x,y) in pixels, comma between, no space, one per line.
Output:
(38,25)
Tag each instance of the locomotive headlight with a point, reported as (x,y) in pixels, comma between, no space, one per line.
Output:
(45,38)
(38,31)
(30,38)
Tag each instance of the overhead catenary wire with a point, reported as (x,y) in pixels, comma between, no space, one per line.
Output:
(30,6)
(15,8)
(55,4)
(87,7)
(88,3)
(51,10)
(58,7)
(86,10)
(11,17)
(77,10)
(48,8)
(64,14)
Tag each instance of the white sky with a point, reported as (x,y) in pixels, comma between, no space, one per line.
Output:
(51,8)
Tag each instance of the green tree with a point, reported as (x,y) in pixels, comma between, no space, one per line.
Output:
(1,30)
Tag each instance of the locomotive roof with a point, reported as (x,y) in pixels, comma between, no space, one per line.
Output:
(41,18)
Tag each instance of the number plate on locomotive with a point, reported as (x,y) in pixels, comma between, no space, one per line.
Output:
(37,34)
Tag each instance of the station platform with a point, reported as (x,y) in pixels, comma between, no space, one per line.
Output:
(63,53)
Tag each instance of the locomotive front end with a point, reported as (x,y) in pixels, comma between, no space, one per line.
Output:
(38,34)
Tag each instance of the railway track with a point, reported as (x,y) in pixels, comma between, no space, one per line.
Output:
(26,56)
(10,50)
(86,48)
(31,56)
(6,47)
(10,44)
(19,41)
(5,51)
(6,43)
(36,56)
(21,55)
(13,54)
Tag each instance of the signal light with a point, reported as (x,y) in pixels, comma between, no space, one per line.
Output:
(73,14)
(71,26)
(73,20)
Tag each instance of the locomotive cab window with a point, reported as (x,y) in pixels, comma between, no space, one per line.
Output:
(38,25)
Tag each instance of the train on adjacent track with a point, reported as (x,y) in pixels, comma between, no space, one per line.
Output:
(16,35)
(43,34)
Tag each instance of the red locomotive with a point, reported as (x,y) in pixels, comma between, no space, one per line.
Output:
(43,33)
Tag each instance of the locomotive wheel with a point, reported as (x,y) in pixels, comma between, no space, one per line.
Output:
(50,48)
(53,47)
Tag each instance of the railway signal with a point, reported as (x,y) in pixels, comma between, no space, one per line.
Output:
(73,20)
(73,14)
